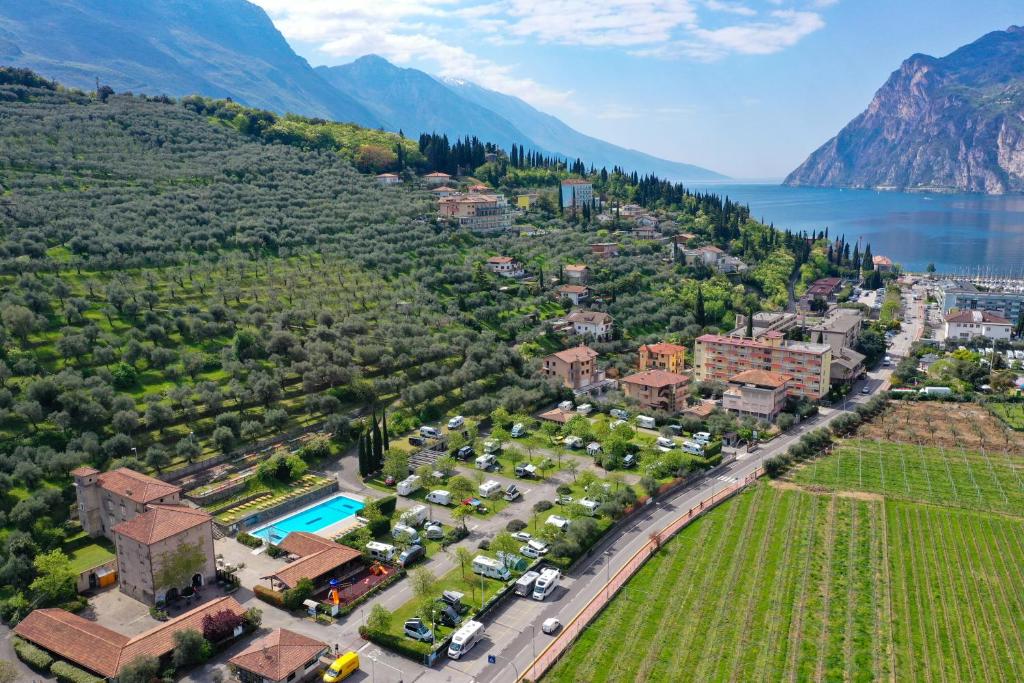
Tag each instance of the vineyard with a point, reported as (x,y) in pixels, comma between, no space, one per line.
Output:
(1010,413)
(839,574)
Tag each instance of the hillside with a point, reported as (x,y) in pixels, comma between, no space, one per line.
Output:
(217,48)
(954,123)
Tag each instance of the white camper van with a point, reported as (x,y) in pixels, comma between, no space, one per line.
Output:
(380,551)
(490,568)
(489,489)
(409,485)
(645,422)
(524,585)
(415,516)
(465,638)
(545,584)
(440,497)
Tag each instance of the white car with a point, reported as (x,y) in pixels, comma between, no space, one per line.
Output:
(522,536)
(550,626)
(529,551)
(456,422)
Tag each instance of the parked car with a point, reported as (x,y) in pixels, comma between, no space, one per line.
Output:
(417,630)
(865,389)
(429,433)
(454,600)
(621,414)
(518,430)
(528,551)
(512,492)
(456,422)
(665,443)
(629,460)
(523,536)
(416,441)
(448,616)
(465,453)
(411,555)
(551,626)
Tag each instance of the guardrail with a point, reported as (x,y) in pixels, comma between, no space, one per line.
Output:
(565,638)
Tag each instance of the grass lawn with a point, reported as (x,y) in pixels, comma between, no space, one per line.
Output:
(90,556)
(784,584)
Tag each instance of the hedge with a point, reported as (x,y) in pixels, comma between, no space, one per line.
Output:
(33,656)
(713,448)
(275,598)
(66,673)
(413,649)
(387,505)
(249,540)
(352,606)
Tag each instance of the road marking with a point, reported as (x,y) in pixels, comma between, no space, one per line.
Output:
(364,647)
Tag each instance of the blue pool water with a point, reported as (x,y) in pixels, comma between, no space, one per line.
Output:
(320,516)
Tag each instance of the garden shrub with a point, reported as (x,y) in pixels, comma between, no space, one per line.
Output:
(269,596)
(66,673)
(32,656)
(249,540)
(387,505)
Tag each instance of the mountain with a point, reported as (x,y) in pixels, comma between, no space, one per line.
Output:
(548,132)
(954,123)
(218,48)
(415,102)
(230,48)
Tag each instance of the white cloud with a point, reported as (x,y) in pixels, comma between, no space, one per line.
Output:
(785,29)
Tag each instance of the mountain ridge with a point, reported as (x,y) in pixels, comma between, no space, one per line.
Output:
(953,124)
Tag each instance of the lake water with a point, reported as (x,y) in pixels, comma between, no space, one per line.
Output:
(957,233)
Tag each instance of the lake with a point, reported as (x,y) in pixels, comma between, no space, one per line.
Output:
(956,232)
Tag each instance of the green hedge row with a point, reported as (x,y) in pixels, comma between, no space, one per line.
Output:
(272,597)
(249,540)
(387,505)
(33,656)
(66,673)
(413,649)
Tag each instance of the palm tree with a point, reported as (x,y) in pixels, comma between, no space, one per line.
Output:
(464,556)
(573,468)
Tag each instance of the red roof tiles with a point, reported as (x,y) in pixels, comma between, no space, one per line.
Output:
(656,378)
(160,522)
(279,654)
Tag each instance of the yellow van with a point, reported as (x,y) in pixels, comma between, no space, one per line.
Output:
(342,668)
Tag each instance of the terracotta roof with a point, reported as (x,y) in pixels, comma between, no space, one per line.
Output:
(592,317)
(84,471)
(711,248)
(557,415)
(160,522)
(135,486)
(279,654)
(971,316)
(103,651)
(576,268)
(84,642)
(303,543)
(761,378)
(656,378)
(444,188)
(701,409)
(575,354)
(500,259)
(663,347)
(576,181)
(881,260)
(573,289)
(316,565)
(437,174)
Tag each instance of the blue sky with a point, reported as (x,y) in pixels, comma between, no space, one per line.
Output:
(747,88)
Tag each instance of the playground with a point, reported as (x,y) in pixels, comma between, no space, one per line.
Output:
(347,591)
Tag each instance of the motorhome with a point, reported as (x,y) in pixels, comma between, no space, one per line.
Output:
(693,448)
(406,532)
(440,497)
(486,461)
(456,422)
(645,422)
(491,447)
(518,430)
(584,409)
(557,521)
(489,489)
(936,391)
(415,516)
(468,635)
(409,485)
(429,433)
(590,506)
(573,442)
(702,437)
(565,406)
(380,551)
(593,448)
(619,413)
(665,443)
(545,584)
(524,586)
(491,568)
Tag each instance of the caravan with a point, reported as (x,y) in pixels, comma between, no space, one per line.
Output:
(465,638)
(409,485)
(415,516)
(380,551)
(440,496)
(490,568)
(489,489)
(645,422)
(524,586)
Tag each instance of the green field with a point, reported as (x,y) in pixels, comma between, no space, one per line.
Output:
(974,479)
(824,578)
(1010,413)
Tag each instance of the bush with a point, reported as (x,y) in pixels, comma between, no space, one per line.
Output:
(66,673)
(413,649)
(542,506)
(221,626)
(517,524)
(713,448)
(564,490)
(32,655)
(387,505)
(249,540)
(294,597)
(776,466)
(275,551)
(269,596)
(190,648)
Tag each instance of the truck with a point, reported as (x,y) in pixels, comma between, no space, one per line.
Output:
(468,635)
(524,585)
(545,584)
(491,568)
(489,489)
(414,516)
(409,485)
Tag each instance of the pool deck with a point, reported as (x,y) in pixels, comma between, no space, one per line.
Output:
(329,531)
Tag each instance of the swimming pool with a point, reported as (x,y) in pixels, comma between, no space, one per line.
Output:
(320,516)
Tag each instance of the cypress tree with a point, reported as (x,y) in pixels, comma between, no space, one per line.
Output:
(378,444)
(384,428)
(698,312)
(364,460)
(750,324)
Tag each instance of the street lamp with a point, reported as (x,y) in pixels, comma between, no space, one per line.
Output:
(607,571)
(373,671)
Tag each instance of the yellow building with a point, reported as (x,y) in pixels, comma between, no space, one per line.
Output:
(663,356)
(526,201)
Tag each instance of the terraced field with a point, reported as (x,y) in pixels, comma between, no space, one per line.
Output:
(879,562)
(1010,413)
(936,474)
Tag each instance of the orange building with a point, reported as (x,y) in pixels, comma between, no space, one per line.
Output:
(663,356)
(657,390)
(720,358)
